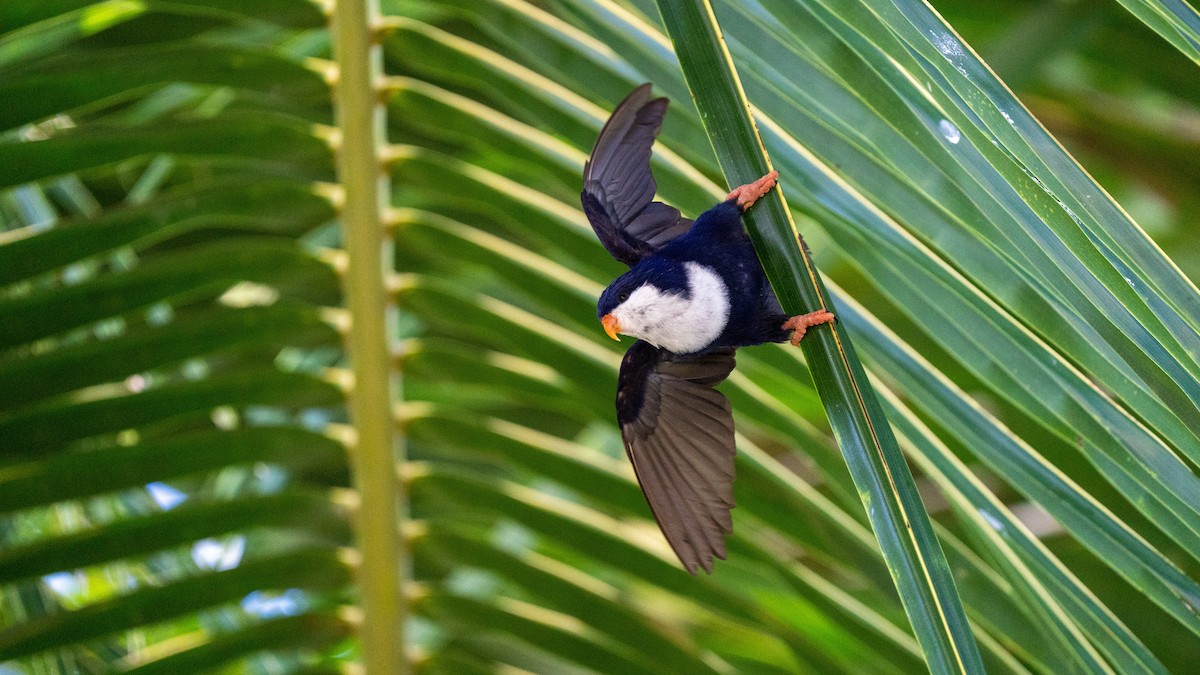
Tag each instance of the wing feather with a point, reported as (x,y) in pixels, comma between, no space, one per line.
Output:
(710,507)
(678,433)
(671,510)
(618,187)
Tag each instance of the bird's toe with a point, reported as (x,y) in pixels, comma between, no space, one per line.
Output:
(800,324)
(747,194)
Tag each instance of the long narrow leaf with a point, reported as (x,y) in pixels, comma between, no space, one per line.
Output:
(885,484)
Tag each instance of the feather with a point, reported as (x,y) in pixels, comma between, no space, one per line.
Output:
(678,433)
(618,188)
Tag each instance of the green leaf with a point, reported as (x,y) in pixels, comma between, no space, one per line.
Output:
(307,631)
(1176,21)
(69,368)
(265,142)
(312,514)
(1107,536)
(538,628)
(1053,592)
(62,476)
(316,569)
(199,271)
(41,429)
(884,482)
(72,80)
(565,590)
(265,206)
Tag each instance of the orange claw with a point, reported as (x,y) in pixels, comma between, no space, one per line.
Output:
(800,324)
(749,193)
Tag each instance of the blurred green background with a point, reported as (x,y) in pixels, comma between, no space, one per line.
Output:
(177,488)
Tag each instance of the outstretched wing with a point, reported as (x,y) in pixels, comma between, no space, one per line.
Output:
(618,188)
(678,433)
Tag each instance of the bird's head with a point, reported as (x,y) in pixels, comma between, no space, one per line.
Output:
(680,306)
(644,299)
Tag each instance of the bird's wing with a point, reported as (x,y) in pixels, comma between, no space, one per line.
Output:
(678,433)
(618,188)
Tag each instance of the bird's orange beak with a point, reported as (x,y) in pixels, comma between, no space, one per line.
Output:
(611,326)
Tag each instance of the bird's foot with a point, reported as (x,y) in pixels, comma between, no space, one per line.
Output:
(801,323)
(749,193)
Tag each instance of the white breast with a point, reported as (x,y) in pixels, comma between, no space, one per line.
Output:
(678,324)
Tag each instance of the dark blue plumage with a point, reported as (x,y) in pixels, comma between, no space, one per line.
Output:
(718,241)
(695,292)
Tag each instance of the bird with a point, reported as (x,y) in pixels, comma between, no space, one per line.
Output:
(695,292)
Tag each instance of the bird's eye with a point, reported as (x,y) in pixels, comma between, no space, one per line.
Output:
(623,296)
